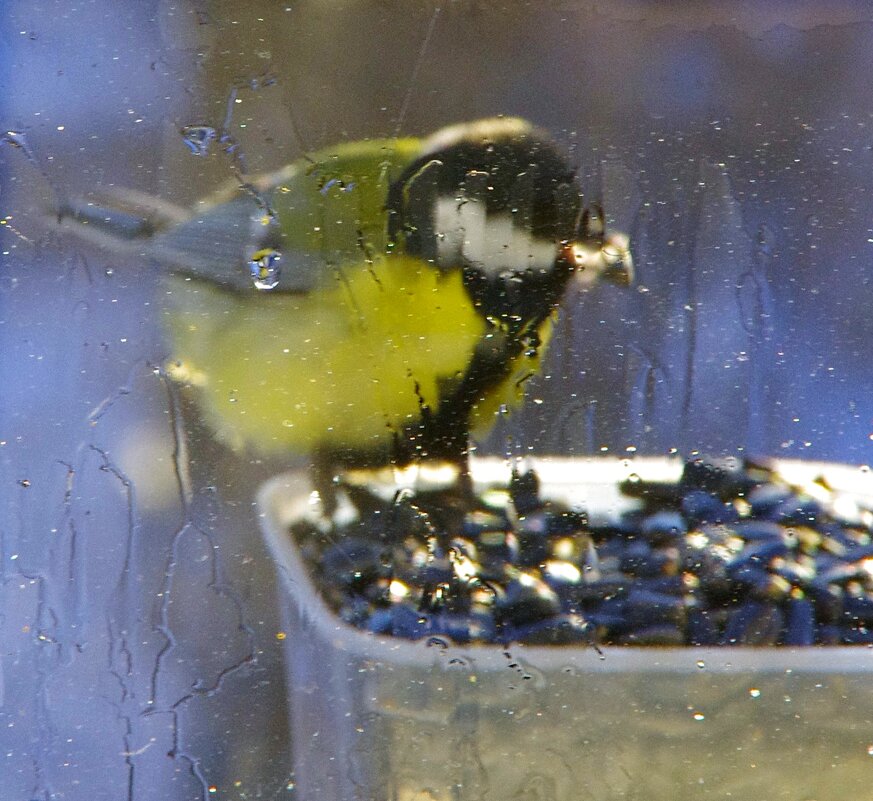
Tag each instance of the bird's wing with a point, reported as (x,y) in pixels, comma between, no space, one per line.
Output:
(318,217)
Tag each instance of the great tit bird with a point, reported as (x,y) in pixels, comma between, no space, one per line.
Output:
(376,302)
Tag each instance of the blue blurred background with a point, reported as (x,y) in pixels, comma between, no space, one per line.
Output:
(732,141)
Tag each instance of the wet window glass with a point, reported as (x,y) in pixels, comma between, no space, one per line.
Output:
(435,401)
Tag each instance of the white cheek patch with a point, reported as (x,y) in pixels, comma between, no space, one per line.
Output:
(505,246)
(457,224)
(493,244)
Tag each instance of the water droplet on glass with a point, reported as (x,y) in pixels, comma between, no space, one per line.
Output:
(198,138)
(263,81)
(531,344)
(18,140)
(264,266)
(338,184)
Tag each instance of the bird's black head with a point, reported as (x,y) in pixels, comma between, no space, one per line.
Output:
(496,199)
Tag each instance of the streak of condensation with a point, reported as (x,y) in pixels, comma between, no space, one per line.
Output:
(145,453)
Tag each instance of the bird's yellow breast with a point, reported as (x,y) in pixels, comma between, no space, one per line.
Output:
(346,366)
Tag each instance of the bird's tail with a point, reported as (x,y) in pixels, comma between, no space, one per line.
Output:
(213,240)
(118,219)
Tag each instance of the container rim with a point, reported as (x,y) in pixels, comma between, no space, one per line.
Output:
(287,497)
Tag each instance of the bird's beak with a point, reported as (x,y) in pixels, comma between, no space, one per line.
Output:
(618,260)
(603,259)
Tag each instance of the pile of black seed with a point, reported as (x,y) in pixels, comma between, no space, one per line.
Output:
(724,556)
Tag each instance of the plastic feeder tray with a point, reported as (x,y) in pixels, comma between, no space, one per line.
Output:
(381,719)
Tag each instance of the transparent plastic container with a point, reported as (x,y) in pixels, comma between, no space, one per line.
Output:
(380,718)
